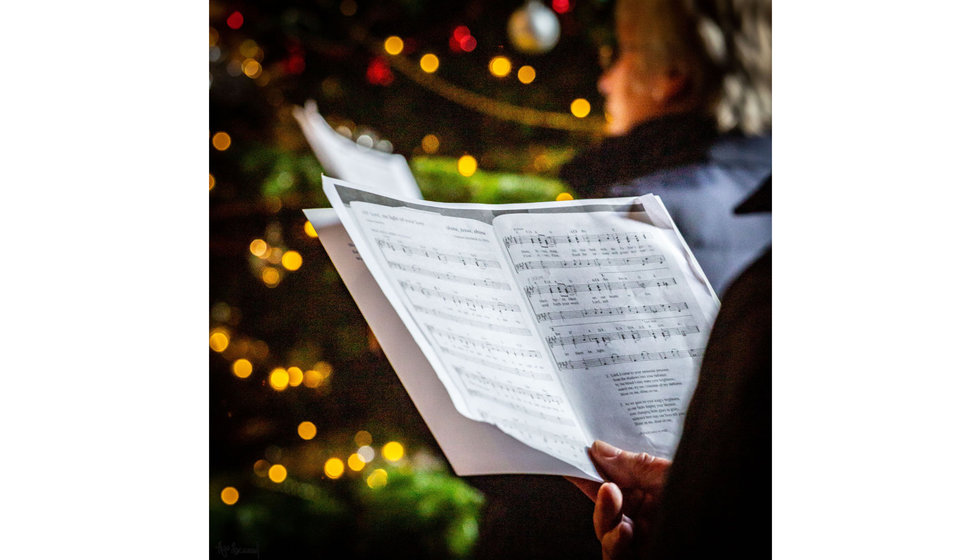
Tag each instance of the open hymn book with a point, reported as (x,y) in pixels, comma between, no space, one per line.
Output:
(523,332)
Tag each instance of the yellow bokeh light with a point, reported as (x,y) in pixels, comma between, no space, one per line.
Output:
(377,479)
(581,108)
(295,376)
(306,430)
(274,255)
(261,467)
(526,74)
(466,165)
(394,45)
(309,229)
(323,367)
(393,451)
(312,378)
(355,462)
(212,36)
(229,495)
(258,247)
(251,68)
(210,181)
(333,468)
(271,276)
(430,144)
(279,379)
(500,66)
(564,196)
(277,473)
(348,7)
(219,340)
(291,260)
(429,63)
(248,48)
(221,141)
(363,438)
(241,368)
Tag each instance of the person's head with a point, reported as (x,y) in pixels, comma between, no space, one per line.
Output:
(673,57)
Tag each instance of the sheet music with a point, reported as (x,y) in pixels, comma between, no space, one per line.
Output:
(624,330)
(347,160)
(559,323)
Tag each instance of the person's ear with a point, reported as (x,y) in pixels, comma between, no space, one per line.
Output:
(667,86)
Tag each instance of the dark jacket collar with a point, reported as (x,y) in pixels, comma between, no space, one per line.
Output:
(668,141)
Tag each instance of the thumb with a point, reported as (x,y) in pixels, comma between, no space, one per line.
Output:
(628,469)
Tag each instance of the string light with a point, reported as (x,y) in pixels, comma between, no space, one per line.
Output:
(377,479)
(271,277)
(279,379)
(295,376)
(430,143)
(241,368)
(221,141)
(363,438)
(466,165)
(500,66)
(394,45)
(235,20)
(312,378)
(355,462)
(563,196)
(561,6)
(393,451)
(229,495)
(306,430)
(309,229)
(333,468)
(366,453)
(219,340)
(251,68)
(258,247)
(526,74)
(291,260)
(581,108)
(429,63)
(277,473)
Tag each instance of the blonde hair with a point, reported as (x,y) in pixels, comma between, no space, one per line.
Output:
(722,47)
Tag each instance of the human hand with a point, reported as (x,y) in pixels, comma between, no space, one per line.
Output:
(624,506)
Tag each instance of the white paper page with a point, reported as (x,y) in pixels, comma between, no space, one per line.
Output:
(450,282)
(612,300)
(352,162)
(472,447)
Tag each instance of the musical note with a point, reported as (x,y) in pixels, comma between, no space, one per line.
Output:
(476,303)
(496,327)
(595,287)
(509,352)
(604,311)
(420,251)
(583,263)
(613,359)
(633,334)
(495,365)
(549,240)
(449,276)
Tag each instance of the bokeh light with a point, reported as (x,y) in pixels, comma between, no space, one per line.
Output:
(251,68)
(212,36)
(277,473)
(500,66)
(394,45)
(333,468)
(279,379)
(366,453)
(241,368)
(291,260)
(526,74)
(581,108)
(261,467)
(377,479)
(235,20)
(295,376)
(219,340)
(229,495)
(210,181)
(221,141)
(468,43)
(561,6)
(466,165)
(306,430)
(563,196)
(309,229)
(355,462)
(430,143)
(348,7)
(393,451)
(312,378)
(429,63)
(363,438)
(258,247)
(271,276)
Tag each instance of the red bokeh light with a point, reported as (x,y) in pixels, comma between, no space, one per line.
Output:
(561,6)
(460,33)
(468,43)
(235,20)
(295,64)
(379,72)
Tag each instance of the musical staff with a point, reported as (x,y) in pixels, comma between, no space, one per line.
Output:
(419,251)
(495,365)
(490,347)
(611,311)
(496,327)
(475,303)
(582,263)
(635,335)
(571,289)
(537,397)
(613,359)
(578,239)
(449,276)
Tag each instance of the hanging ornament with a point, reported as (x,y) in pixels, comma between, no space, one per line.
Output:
(534,28)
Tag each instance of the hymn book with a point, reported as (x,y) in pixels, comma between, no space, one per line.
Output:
(523,332)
